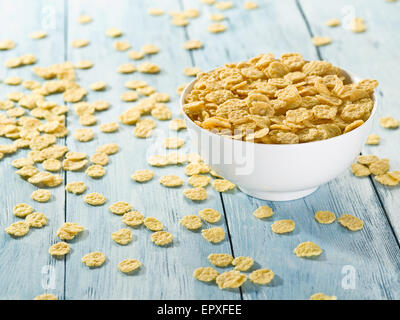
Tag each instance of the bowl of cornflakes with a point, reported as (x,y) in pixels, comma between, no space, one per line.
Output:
(279,127)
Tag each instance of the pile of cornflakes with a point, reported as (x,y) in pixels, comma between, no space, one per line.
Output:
(279,101)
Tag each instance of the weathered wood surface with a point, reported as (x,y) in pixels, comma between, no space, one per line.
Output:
(373,254)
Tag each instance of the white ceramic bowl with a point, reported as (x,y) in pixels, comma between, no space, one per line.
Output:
(278,172)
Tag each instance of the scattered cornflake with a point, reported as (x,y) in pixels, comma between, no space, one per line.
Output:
(142,175)
(162,238)
(177,124)
(18,229)
(333,22)
(40,34)
(41,195)
(321,41)
(113,32)
(135,55)
(122,236)
(133,218)
(214,235)
(191,222)
(250,5)
(109,148)
(126,68)
(224,5)
(121,45)
(69,230)
(13,81)
(22,162)
(150,49)
(173,143)
(325,217)
(242,263)
(198,180)
(36,220)
(84,18)
(155,12)
(205,274)
(351,222)
(216,28)
(180,88)
(196,194)
(261,276)
(231,279)
(120,207)
(367,159)
(148,67)
(283,226)
(357,25)
(46,296)
(222,185)
(94,259)
(379,167)
(193,44)
(7,44)
(210,215)
(220,259)
(307,249)
(179,20)
(100,105)
(171,181)
(80,43)
(129,265)
(21,210)
(217,17)
(95,171)
(263,212)
(52,165)
(153,224)
(389,179)
(99,159)
(83,135)
(59,249)
(373,139)
(98,86)
(191,71)
(322,296)
(95,199)
(157,160)
(389,122)
(209,2)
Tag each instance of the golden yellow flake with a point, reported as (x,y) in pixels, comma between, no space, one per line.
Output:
(379,167)
(261,276)
(120,207)
(133,218)
(148,67)
(59,249)
(216,27)
(307,249)
(22,162)
(98,86)
(150,49)
(196,194)
(95,171)
(142,175)
(193,44)
(220,259)
(325,217)
(322,296)
(321,41)
(94,259)
(95,199)
(210,215)
(155,12)
(231,279)
(222,185)
(333,22)
(51,165)
(351,222)
(126,68)
(205,274)
(13,81)
(153,224)
(129,96)
(389,179)
(121,45)
(177,124)
(80,43)
(389,122)
(113,32)
(72,165)
(83,135)
(7,44)
(197,180)
(373,139)
(18,229)
(173,143)
(84,64)
(41,195)
(162,238)
(250,5)
(191,222)
(69,230)
(122,236)
(171,181)
(46,296)
(21,210)
(36,220)
(129,265)
(224,5)
(84,18)
(191,71)
(214,235)
(157,160)
(358,25)
(263,212)
(135,55)
(283,226)
(40,34)
(242,263)
(99,159)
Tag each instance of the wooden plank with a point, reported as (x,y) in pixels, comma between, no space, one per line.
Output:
(26,268)
(371,253)
(372,54)
(166,272)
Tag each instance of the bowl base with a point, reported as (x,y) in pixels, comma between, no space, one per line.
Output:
(279,196)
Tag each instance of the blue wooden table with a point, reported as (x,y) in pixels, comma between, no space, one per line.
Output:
(354,265)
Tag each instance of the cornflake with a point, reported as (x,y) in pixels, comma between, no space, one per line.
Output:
(261,276)
(231,279)
(157,160)
(83,135)
(193,44)
(216,28)
(367,159)
(95,199)
(357,25)
(210,215)
(177,124)
(133,218)
(214,235)
(332,22)
(150,49)
(74,165)
(173,143)
(84,18)
(13,81)
(99,159)
(222,185)
(21,210)
(18,229)
(321,41)
(263,212)
(121,45)
(7,44)
(217,17)
(196,194)
(109,148)
(283,226)
(69,230)
(84,64)
(113,32)
(153,224)
(307,249)
(41,195)
(142,175)
(389,179)
(94,259)
(197,180)
(126,68)
(100,105)
(250,5)
(322,296)
(147,67)
(373,139)
(122,236)
(155,12)
(220,259)
(120,207)
(135,55)
(171,181)
(36,220)
(129,265)
(379,167)
(59,249)
(46,296)
(191,222)
(80,43)
(243,263)
(325,217)
(224,5)
(351,222)
(389,122)
(205,274)
(191,71)
(51,165)
(129,96)
(95,171)
(162,238)
(38,34)
(22,162)
(98,86)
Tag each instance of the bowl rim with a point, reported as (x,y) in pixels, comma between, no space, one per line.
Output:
(350,75)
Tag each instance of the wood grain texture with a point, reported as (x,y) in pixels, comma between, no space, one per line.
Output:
(25,264)
(259,31)
(277,26)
